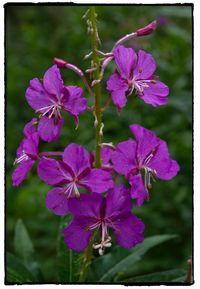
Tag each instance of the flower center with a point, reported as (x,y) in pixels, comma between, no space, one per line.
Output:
(139,85)
(23,157)
(105,238)
(148,172)
(71,190)
(52,111)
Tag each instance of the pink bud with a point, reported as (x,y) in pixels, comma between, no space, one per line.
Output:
(60,62)
(147,29)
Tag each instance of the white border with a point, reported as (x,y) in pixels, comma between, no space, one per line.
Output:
(196,134)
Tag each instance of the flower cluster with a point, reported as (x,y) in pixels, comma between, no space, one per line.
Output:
(79,188)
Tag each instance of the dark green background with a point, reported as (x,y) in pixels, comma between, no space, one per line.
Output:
(34,36)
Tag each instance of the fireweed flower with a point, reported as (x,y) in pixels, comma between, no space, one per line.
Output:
(27,153)
(148,154)
(94,211)
(49,97)
(135,72)
(69,175)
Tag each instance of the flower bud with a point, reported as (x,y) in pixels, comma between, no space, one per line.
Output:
(147,29)
(60,62)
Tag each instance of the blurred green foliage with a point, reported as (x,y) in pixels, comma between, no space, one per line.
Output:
(37,34)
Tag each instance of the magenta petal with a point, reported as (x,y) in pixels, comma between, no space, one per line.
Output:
(117,87)
(51,172)
(77,158)
(53,82)
(36,96)
(57,201)
(20,149)
(49,129)
(73,100)
(124,157)
(125,59)
(145,67)
(77,235)
(30,127)
(146,140)
(106,153)
(97,181)
(165,168)
(138,190)
(86,205)
(30,145)
(118,200)
(129,231)
(156,94)
(19,174)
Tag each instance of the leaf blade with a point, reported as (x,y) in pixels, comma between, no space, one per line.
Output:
(16,272)
(104,268)
(24,249)
(163,276)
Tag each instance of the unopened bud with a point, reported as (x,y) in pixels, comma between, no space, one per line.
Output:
(147,29)
(60,62)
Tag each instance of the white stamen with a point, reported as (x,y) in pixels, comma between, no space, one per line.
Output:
(23,157)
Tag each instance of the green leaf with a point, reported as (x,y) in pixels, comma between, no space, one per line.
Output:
(104,268)
(68,261)
(24,249)
(164,276)
(16,272)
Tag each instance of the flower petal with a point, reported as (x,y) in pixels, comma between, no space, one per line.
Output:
(156,93)
(129,231)
(73,100)
(52,172)
(49,130)
(106,153)
(117,87)
(118,200)
(53,82)
(36,96)
(165,168)
(57,201)
(123,158)
(86,205)
(97,181)
(30,127)
(77,158)
(138,190)
(125,59)
(146,66)
(30,145)
(76,235)
(146,141)
(19,174)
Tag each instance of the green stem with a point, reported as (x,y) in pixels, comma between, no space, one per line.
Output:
(97,87)
(86,261)
(88,253)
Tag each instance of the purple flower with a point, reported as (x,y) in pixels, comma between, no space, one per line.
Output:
(148,154)
(106,154)
(94,211)
(69,175)
(49,98)
(135,73)
(27,153)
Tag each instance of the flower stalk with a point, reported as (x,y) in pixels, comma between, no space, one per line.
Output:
(88,253)
(97,87)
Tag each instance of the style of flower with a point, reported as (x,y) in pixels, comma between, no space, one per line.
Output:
(69,175)
(92,212)
(27,153)
(135,72)
(148,154)
(49,97)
